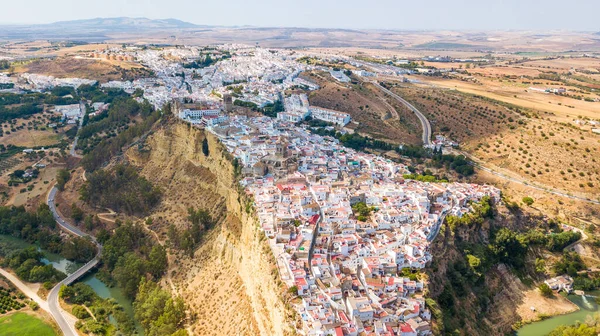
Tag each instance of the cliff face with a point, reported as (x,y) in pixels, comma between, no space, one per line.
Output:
(494,301)
(231,283)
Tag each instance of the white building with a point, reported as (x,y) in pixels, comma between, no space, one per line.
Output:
(332,116)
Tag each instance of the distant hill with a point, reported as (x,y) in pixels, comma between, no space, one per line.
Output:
(125,23)
(92,29)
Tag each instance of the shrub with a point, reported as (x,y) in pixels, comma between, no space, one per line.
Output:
(545,290)
(528,200)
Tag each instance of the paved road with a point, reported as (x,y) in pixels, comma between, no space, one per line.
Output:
(68,328)
(316,232)
(426,137)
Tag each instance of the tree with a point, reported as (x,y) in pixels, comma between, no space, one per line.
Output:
(474,262)
(157,263)
(80,312)
(540,265)
(545,290)
(79,249)
(508,248)
(128,271)
(62,177)
(76,213)
(528,200)
(158,312)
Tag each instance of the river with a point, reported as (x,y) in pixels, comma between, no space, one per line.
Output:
(68,267)
(587,307)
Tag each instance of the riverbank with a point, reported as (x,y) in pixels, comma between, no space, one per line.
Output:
(586,306)
(543,306)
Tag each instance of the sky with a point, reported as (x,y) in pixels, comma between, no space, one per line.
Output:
(580,15)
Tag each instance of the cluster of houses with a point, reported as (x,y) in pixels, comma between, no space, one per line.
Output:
(347,266)
(549,90)
(70,113)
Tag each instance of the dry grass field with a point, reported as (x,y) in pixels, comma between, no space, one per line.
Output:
(32,138)
(513,139)
(32,132)
(69,67)
(40,187)
(513,83)
(559,108)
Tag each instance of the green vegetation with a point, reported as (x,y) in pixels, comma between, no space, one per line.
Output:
(271,110)
(205,61)
(130,254)
(62,177)
(38,228)
(589,328)
(18,176)
(189,239)
(8,301)
(24,324)
(426,177)
(458,163)
(242,103)
(354,141)
(105,136)
(121,189)
(362,211)
(29,267)
(14,106)
(528,200)
(545,290)
(569,263)
(158,312)
(79,249)
(81,295)
(483,245)
(95,93)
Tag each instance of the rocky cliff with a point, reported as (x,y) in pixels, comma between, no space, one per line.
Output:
(231,282)
(493,297)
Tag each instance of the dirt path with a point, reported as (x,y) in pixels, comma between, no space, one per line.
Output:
(25,289)
(90,312)
(169,269)
(110,213)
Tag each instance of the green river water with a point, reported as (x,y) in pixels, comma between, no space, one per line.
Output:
(587,307)
(68,267)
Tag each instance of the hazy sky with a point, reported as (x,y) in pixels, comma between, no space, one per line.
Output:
(389,14)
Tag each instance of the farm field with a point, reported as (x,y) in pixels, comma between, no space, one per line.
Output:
(552,106)
(513,139)
(32,138)
(40,187)
(23,324)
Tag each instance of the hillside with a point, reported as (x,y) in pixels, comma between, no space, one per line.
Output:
(479,293)
(376,114)
(69,67)
(231,282)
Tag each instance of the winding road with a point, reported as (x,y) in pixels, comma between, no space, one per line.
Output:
(426,136)
(67,327)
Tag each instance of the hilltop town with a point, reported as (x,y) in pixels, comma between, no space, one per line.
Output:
(343,225)
(350,227)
